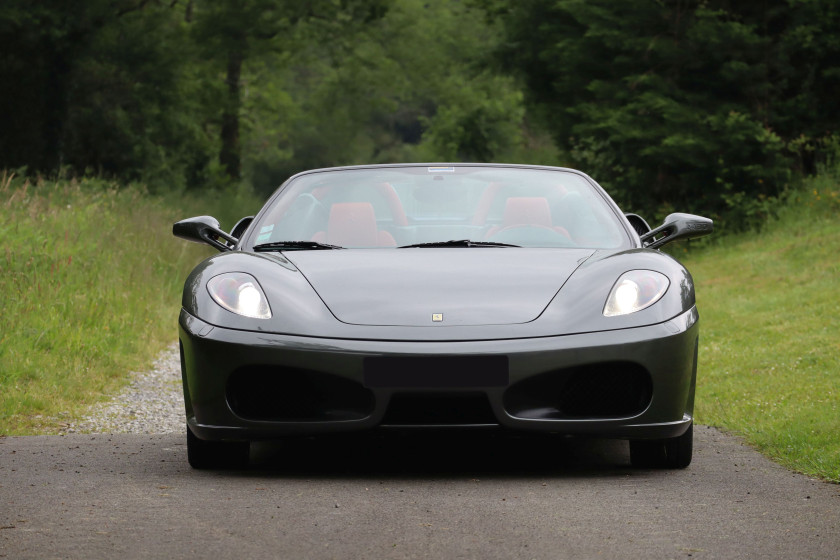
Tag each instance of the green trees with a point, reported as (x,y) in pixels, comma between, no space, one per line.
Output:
(416,88)
(200,92)
(235,31)
(707,105)
(100,87)
(360,84)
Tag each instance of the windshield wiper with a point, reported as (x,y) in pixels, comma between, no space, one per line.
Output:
(293,246)
(459,243)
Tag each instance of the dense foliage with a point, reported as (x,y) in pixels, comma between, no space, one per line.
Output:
(710,106)
(706,104)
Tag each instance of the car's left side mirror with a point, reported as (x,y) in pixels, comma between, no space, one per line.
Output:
(678,226)
(204,229)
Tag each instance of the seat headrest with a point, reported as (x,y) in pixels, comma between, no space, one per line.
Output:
(352,224)
(527,210)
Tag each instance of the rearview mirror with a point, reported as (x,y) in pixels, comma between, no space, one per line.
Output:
(678,226)
(204,229)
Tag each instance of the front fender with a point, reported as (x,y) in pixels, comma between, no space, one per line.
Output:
(578,306)
(293,302)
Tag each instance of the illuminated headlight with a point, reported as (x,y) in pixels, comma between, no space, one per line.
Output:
(634,291)
(240,293)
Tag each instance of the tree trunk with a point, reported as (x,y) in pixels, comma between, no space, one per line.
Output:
(55,109)
(229,155)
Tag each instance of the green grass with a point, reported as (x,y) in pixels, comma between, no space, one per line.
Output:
(90,277)
(770,336)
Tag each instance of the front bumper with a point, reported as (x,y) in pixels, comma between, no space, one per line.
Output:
(214,359)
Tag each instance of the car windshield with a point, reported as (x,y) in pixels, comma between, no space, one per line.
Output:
(424,206)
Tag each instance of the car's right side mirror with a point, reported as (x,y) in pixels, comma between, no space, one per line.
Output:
(677,226)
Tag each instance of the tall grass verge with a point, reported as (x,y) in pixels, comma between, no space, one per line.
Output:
(770,350)
(90,277)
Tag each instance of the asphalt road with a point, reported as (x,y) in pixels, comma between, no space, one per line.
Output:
(467,496)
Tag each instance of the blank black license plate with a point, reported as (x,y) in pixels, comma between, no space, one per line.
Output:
(431,372)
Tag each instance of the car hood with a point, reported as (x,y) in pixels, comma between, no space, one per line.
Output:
(464,286)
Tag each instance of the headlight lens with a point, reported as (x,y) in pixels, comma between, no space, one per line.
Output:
(634,291)
(240,293)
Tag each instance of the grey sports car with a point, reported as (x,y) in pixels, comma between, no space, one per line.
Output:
(508,297)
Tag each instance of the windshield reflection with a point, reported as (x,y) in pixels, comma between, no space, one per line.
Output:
(409,206)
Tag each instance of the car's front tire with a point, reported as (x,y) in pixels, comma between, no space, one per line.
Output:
(673,453)
(203,454)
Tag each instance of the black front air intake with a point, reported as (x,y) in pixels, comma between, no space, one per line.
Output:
(604,390)
(272,393)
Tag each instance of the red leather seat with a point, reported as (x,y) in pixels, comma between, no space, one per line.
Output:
(353,224)
(531,211)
